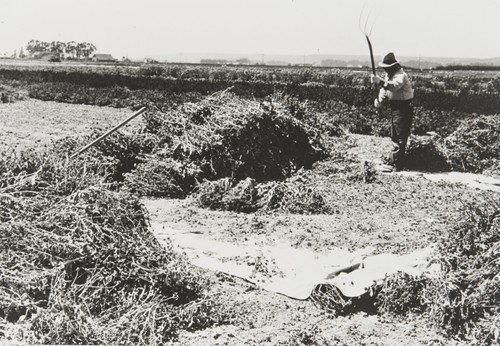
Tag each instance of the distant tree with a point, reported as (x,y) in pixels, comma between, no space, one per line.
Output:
(21,54)
(85,50)
(35,46)
(53,47)
(31,47)
(61,49)
(79,50)
(88,49)
(71,49)
(57,47)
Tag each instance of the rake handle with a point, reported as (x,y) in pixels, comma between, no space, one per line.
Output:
(85,148)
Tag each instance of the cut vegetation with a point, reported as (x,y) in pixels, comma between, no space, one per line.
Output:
(80,264)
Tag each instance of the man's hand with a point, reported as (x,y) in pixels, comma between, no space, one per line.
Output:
(376,79)
(379,101)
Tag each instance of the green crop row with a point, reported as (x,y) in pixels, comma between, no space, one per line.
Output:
(349,87)
(449,81)
(362,118)
(347,100)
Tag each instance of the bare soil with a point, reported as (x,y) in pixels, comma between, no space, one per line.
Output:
(392,214)
(30,122)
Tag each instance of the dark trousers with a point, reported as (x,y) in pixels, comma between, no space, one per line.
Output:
(402,116)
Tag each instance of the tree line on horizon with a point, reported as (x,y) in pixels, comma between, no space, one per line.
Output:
(67,50)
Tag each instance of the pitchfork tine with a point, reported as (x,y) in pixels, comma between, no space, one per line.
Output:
(373,24)
(366,19)
(367,23)
(361,18)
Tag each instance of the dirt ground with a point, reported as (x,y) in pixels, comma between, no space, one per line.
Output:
(32,122)
(273,319)
(393,214)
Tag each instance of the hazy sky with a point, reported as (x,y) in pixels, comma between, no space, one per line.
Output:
(432,28)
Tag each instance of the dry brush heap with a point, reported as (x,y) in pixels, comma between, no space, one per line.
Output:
(462,300)
(81,266)
(233,154)
(473,147)
(78,261)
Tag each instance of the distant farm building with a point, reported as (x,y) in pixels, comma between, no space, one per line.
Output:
(103,58)
(45,56)
(50,57)
(150,61)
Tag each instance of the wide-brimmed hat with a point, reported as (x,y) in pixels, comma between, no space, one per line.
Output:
(389,60)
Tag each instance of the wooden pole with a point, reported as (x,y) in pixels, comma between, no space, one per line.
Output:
(85,148)
(371,54)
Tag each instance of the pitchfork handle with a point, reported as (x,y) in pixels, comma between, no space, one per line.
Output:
(85,148)
(371,54)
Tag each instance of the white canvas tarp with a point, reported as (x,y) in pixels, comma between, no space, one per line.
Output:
(291,271)
(473,180)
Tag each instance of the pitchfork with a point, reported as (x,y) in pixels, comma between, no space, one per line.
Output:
(364,30)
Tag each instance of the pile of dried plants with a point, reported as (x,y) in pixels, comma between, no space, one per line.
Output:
(79,263)
(462,300)
(475,145)
(401,294)
(160,176)
(425,153)
(294,195)
(224,136)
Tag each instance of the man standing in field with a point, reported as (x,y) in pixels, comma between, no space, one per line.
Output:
(397,89)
